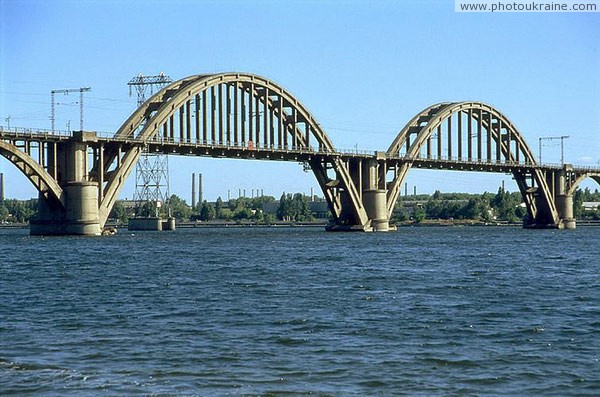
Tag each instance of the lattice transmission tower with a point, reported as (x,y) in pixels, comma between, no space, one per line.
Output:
(152,169)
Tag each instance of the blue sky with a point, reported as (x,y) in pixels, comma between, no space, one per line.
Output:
(363,68)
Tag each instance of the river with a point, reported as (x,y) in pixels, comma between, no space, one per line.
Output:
(430,311)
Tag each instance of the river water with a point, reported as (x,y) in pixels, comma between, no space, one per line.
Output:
(429,311)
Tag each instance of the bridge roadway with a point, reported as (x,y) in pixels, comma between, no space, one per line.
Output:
(243,116)
(300,154)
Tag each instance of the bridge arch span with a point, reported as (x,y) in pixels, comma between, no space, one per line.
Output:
(238,112)
(470,136)
(46,185)
(574,184)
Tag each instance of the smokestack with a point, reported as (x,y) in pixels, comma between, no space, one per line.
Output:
(200,192)
(193,190)
(312,194)
(415,190)
(1,187)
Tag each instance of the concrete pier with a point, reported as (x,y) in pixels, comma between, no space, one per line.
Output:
(374,194)
(564,200)
(151,224)
(375,205)
(79,215)
(82,208)
(564,206)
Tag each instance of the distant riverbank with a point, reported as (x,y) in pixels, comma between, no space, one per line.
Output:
(425,223)
(250,224)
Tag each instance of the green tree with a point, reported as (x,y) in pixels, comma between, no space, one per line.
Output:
(146,209)
(268,219)
(578,203)
(207,211)
(20,211)
(179,208)
(284,211)
(472,210)
(242,212)
(300,208)
(419,214)
(119,212)
(226,214)
(4,214)
(218,208)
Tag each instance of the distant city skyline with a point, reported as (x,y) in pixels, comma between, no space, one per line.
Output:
(363,69)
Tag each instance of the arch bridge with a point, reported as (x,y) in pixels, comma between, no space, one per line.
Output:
(236,115)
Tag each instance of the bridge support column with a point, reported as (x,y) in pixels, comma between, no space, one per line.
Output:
(373,197)
(80,215)
(564,201)
(564,205)
(50,219)
(375,205)
(82,208)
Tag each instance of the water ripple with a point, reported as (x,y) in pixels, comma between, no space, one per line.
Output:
(270,312)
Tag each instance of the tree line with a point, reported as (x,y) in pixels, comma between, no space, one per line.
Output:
(586,195)
(291,207)
(17,211)
(487,207)
(502,206)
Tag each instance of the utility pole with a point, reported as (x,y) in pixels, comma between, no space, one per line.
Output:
(562,147)
(7,121)
(66,92)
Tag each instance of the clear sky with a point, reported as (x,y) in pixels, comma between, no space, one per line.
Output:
(363,68)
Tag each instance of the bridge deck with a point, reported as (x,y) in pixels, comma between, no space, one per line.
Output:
(167,146)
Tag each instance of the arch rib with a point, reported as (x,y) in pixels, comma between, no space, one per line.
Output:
(38,176)
(580,178)
(161,112)
(429,124)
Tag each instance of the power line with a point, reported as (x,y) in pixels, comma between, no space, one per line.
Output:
(66,92)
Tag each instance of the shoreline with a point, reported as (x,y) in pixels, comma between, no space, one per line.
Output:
(225,224)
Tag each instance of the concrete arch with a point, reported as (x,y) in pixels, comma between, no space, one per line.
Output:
(157,114)
(509,146)
(37,175)
(575,184)
(426,122)
(177,93)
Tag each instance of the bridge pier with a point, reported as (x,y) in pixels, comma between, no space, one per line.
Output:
(564,205)
(374,194)
(564,200)
(79,215)
(375,205)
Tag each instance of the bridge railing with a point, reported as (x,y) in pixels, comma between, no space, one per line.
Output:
(240,146)
(40,133)
(34,133)
(495,162)
(461,160)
